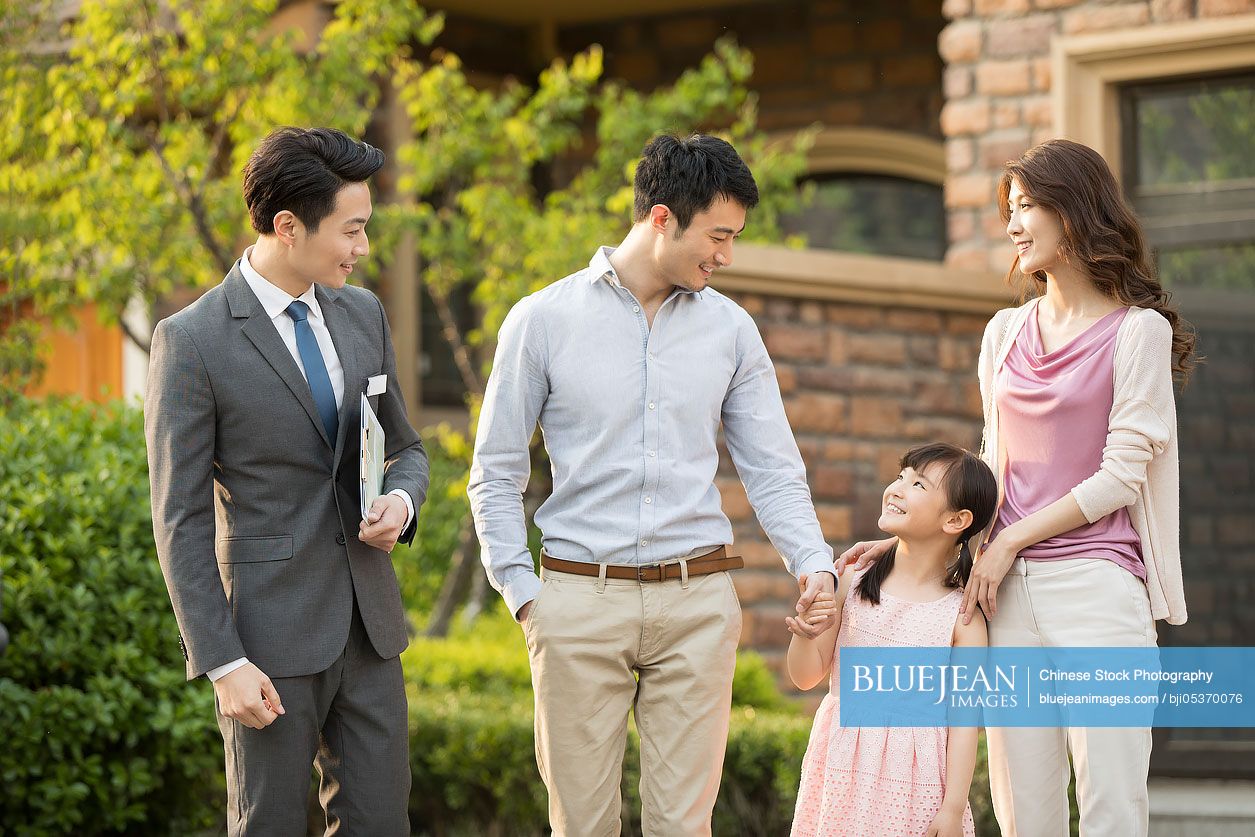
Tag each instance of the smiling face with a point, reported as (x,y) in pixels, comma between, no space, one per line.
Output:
(1036,231)
(915,506)
(326,256)
(691,258)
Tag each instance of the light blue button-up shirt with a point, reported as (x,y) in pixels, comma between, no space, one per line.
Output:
(630,416)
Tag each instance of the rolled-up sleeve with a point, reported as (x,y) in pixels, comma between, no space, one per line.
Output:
(501,466)
(767,459)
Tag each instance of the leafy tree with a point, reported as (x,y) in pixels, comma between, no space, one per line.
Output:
(125,129)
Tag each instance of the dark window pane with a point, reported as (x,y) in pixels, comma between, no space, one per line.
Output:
(1196,133)
(887,216)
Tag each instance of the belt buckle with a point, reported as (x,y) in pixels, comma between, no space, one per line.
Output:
(641,568)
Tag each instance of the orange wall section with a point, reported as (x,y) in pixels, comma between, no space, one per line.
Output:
(85,361)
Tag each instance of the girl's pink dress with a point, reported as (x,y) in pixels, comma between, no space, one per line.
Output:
(877,781)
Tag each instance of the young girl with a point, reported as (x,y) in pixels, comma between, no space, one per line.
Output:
(897,781)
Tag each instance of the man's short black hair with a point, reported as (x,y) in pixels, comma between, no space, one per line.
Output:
(686,175)
(302,170)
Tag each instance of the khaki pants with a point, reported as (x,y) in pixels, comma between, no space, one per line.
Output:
(590,640)
(1073,602)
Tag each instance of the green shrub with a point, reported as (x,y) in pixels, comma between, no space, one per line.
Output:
(490,658)
(474,769)
(473,765)
(101,733)
(421,566)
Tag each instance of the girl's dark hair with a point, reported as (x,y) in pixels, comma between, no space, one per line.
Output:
(970,485)
(302,170)
(686,175)
(1100,232)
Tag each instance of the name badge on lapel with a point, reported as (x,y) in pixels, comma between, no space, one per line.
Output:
(376,385)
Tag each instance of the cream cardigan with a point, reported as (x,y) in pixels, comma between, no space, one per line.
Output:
(1139,462)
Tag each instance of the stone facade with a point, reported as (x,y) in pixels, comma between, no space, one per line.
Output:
(997,83)
(840,62)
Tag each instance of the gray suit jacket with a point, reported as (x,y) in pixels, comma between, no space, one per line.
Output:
(255,510)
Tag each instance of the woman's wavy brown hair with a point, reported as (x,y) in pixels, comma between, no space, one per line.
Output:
(1100,233)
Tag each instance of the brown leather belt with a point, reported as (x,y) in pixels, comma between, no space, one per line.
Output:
(711,562)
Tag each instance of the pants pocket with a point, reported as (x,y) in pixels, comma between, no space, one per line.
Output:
(529,627)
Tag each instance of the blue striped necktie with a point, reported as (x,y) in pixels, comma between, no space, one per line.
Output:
(315,369)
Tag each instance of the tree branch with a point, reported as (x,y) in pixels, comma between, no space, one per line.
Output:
(144,345)
(461,352)
(190,196)
(195,206)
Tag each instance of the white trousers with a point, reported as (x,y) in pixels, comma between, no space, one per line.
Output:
(1070,602)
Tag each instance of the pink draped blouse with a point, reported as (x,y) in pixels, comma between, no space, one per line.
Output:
(1054,409)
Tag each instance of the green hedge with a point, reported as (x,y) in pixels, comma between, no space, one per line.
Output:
(474,768)
(491,659)
(101,734)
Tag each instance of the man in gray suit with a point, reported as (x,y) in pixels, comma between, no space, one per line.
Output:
(285,597)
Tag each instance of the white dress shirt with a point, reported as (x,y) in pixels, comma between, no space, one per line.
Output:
(630,415)
(275,301)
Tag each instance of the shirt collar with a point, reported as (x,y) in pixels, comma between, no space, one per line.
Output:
(599,267)
(274,299)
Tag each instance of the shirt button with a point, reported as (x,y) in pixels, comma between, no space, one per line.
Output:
(636,309)
(340,539)
(649,500)
(644,543)
(653,453)
(651,405)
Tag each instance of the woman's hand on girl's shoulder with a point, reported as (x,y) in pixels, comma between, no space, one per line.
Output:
(974,633)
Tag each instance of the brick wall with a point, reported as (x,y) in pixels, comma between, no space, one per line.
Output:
(840,62)
(997,81)
(861,384)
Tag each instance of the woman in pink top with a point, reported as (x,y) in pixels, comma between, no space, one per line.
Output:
(1080,428)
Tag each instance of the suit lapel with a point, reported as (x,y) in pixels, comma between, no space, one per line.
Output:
(261,331)
(344,338)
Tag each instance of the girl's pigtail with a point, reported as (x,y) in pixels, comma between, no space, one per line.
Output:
(961,571)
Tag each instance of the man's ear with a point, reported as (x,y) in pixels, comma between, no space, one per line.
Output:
(659,216)
(287,225)
(957,522)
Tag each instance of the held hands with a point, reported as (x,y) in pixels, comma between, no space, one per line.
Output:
(864,553)
(383,522)
(947,823)
(246,695)
(816,606)
(988,571)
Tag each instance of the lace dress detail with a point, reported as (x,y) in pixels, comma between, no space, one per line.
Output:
(869,781)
